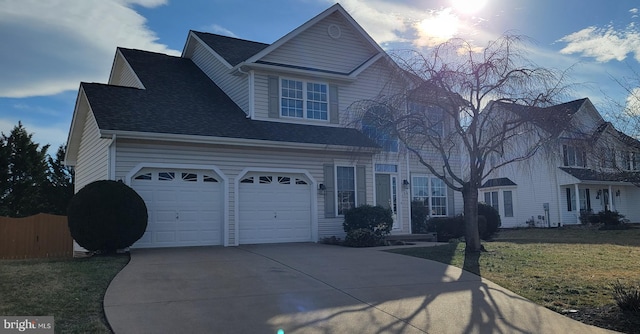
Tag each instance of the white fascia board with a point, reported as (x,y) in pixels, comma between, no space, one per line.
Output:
(232,141)
(295,71)
(75,130)
(366,65)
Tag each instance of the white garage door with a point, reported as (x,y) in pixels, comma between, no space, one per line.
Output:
(185,207)
(274,208)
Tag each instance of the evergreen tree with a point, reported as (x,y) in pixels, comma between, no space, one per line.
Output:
(60,187)
(24,174)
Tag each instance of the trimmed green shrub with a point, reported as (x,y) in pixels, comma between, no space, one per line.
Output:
(375,219)
(492,221)
(448,228)
(627,298)
(106,216)
(362,237)
(419,218)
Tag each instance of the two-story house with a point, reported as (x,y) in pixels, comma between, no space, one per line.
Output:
(588,166)
(238,142)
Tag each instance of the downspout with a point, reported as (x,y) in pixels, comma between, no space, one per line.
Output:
(577,189)
(409,191)
(112,158)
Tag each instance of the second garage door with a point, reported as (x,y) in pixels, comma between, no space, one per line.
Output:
(274,208)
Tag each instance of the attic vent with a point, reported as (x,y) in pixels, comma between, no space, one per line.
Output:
(334,31)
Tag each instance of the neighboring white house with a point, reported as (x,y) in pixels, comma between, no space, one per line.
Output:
(589,166)
(239,142)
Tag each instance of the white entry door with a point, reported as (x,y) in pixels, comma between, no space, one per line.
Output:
(387,195)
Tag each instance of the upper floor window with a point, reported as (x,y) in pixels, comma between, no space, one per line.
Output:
(608,158)
(573,156)
(304,99)
(374,127)
(429,119)
(631,160)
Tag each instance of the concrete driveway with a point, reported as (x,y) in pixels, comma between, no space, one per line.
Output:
(313,288)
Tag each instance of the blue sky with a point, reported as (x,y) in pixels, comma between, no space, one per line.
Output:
(49,47)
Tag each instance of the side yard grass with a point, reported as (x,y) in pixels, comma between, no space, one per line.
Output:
(568,270)
(70,290)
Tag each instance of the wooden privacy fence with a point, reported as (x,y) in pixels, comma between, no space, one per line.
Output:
(38,236)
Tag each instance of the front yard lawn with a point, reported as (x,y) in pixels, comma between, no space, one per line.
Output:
(565,269)
(70,290)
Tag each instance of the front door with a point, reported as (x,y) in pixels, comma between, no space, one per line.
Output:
(386,195)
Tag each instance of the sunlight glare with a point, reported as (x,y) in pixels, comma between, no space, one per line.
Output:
(442,26)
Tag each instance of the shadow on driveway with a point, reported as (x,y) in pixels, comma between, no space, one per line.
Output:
(313,288)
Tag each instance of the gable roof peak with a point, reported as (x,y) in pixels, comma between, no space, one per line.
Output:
(333,9)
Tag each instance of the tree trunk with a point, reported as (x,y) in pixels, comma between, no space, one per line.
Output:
(471,232)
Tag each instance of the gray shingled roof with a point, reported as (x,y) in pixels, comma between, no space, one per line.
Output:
(233,50)
(180,99)
(499,182)
(584,174)
(554,118)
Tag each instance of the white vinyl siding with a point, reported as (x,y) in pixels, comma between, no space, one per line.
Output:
(367,85)
(92,163)
(236,86)
(123,75)
(314,48)
(231,162)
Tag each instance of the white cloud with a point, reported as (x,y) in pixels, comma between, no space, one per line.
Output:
(603,44)
(633,103)
(217,29)
(416,23)
(55,44)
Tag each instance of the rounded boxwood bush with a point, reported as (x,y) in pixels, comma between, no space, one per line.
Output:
(362,237)
(106,216)
(375,218)
(492,218)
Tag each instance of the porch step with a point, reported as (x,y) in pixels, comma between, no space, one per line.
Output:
(411,237)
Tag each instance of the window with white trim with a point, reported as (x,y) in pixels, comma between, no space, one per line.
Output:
(375,127)
(432,119)
(431,192)
(507,196)
(631,160)
(302,99)
(491,198)
(346,188)
(573,156)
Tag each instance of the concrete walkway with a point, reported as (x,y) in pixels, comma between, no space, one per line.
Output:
(312,288)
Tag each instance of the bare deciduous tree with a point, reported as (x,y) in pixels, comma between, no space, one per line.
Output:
(452,108)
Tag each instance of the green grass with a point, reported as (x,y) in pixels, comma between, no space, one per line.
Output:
(70,290)
(558,268)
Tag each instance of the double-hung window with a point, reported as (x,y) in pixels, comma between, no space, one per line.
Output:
(491,198)
(631,161)
(302,99)
(431,192)
(573,156)
(375,126)
(346,188)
